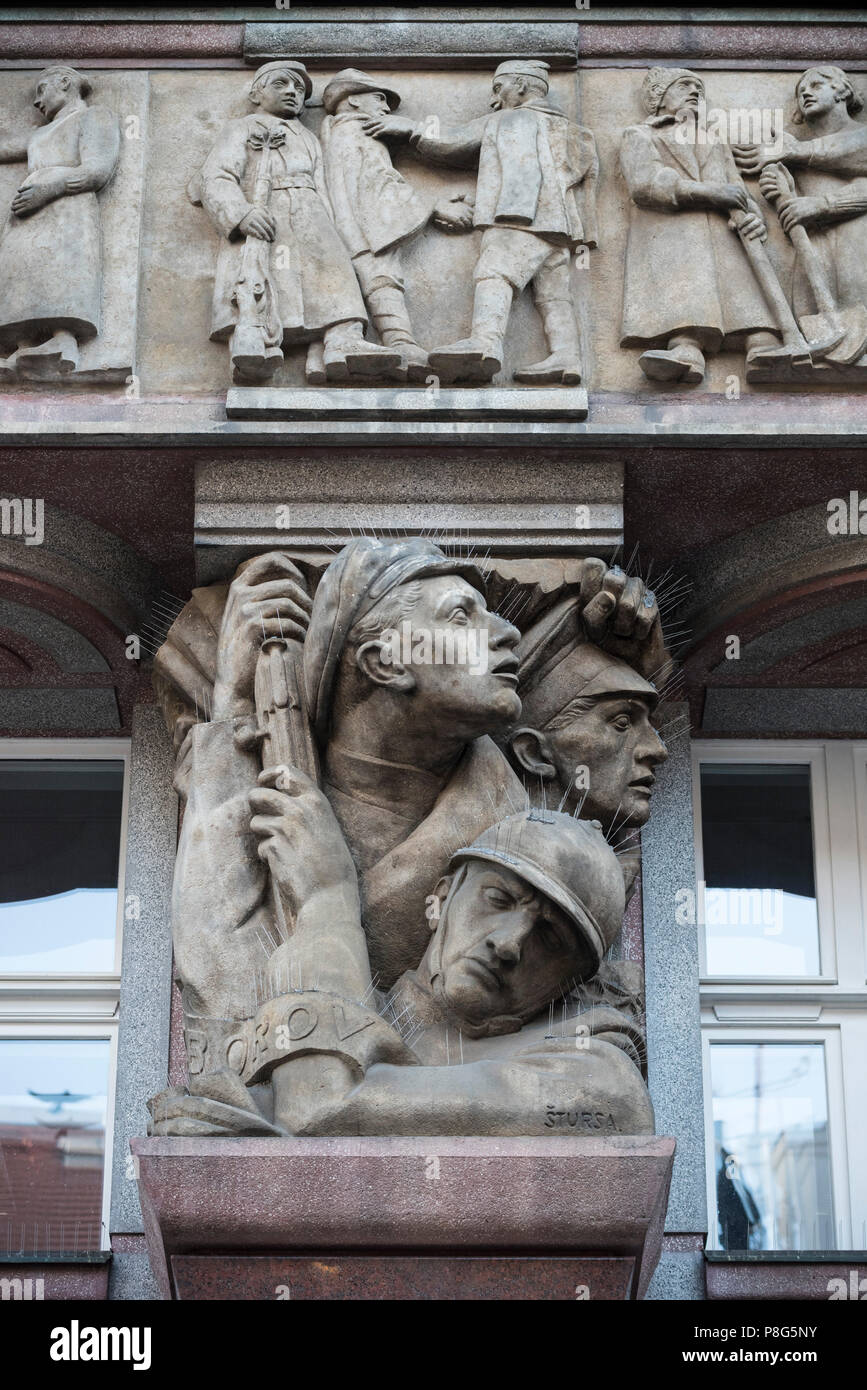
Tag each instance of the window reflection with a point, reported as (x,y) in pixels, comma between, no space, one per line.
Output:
(772,1159)
(60,823)
(759,901)
(52,1144)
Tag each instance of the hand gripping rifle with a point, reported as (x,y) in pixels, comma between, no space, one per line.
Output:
(283,731)
(255,347)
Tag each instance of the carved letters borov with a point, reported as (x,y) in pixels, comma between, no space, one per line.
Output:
(404,854)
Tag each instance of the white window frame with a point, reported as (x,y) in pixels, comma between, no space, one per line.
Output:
(45,1006)
(831,1008)
(827,856)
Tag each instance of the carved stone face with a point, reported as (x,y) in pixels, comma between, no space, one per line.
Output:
(817,94)
(465,697)
(281,93)
(505,948)
(371,103)
(52,90)
(683,94)
(617,743)
(509,91)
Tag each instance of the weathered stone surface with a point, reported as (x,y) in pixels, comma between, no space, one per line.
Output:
(350,824)
(453,1277)
(528,405)
(604,1195)
(72,319)
(435,43)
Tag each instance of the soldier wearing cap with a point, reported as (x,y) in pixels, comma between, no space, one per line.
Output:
(585,727)
(309,290)
(376,209)
(535,202)
(407,761)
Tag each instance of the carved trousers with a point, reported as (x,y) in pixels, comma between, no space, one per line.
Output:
(509,253)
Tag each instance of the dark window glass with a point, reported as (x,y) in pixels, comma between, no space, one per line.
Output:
(60,823)
(759,900)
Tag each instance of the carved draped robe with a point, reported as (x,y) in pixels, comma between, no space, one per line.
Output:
(838,172)
(686,271)
(310,268)
(51,259)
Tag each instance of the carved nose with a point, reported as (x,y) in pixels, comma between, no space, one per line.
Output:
(506,943)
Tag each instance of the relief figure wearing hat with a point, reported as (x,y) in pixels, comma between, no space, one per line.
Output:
(283,274)
(689,288)
(585,733)
(51,244)
(535,204)
(376,210)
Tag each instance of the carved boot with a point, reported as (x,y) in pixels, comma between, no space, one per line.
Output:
(682,361)
(252,358)
(347,354)
(388,310)
(563,366)
(9,367)
(767,357)
(479,357)
(314,368)
(56,357)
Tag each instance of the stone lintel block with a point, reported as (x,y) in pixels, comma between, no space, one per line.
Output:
(393,403)
(587,1196)
(411,43)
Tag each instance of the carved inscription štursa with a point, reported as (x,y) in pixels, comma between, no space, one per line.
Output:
(381,924)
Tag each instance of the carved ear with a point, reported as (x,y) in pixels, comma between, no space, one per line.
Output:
(533,752)
(369,659)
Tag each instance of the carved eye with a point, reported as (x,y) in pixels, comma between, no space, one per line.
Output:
(498,899)
(622,722)
(459,615)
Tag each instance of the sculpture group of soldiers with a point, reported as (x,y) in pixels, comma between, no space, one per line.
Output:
(312,230)
(447,856)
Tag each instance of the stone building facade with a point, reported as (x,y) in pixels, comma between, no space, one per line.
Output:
(571,300)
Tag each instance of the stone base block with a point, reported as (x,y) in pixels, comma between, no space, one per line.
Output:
(404,1218)
(408,1278)
(522,403)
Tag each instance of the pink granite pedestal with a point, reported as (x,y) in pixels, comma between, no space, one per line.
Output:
(438,1218)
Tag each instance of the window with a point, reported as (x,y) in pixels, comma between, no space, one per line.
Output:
(62,849)
(781,836)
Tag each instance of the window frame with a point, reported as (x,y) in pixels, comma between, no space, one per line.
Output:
(51,1006)
(827,1009)
(791,751)
(829,1037)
